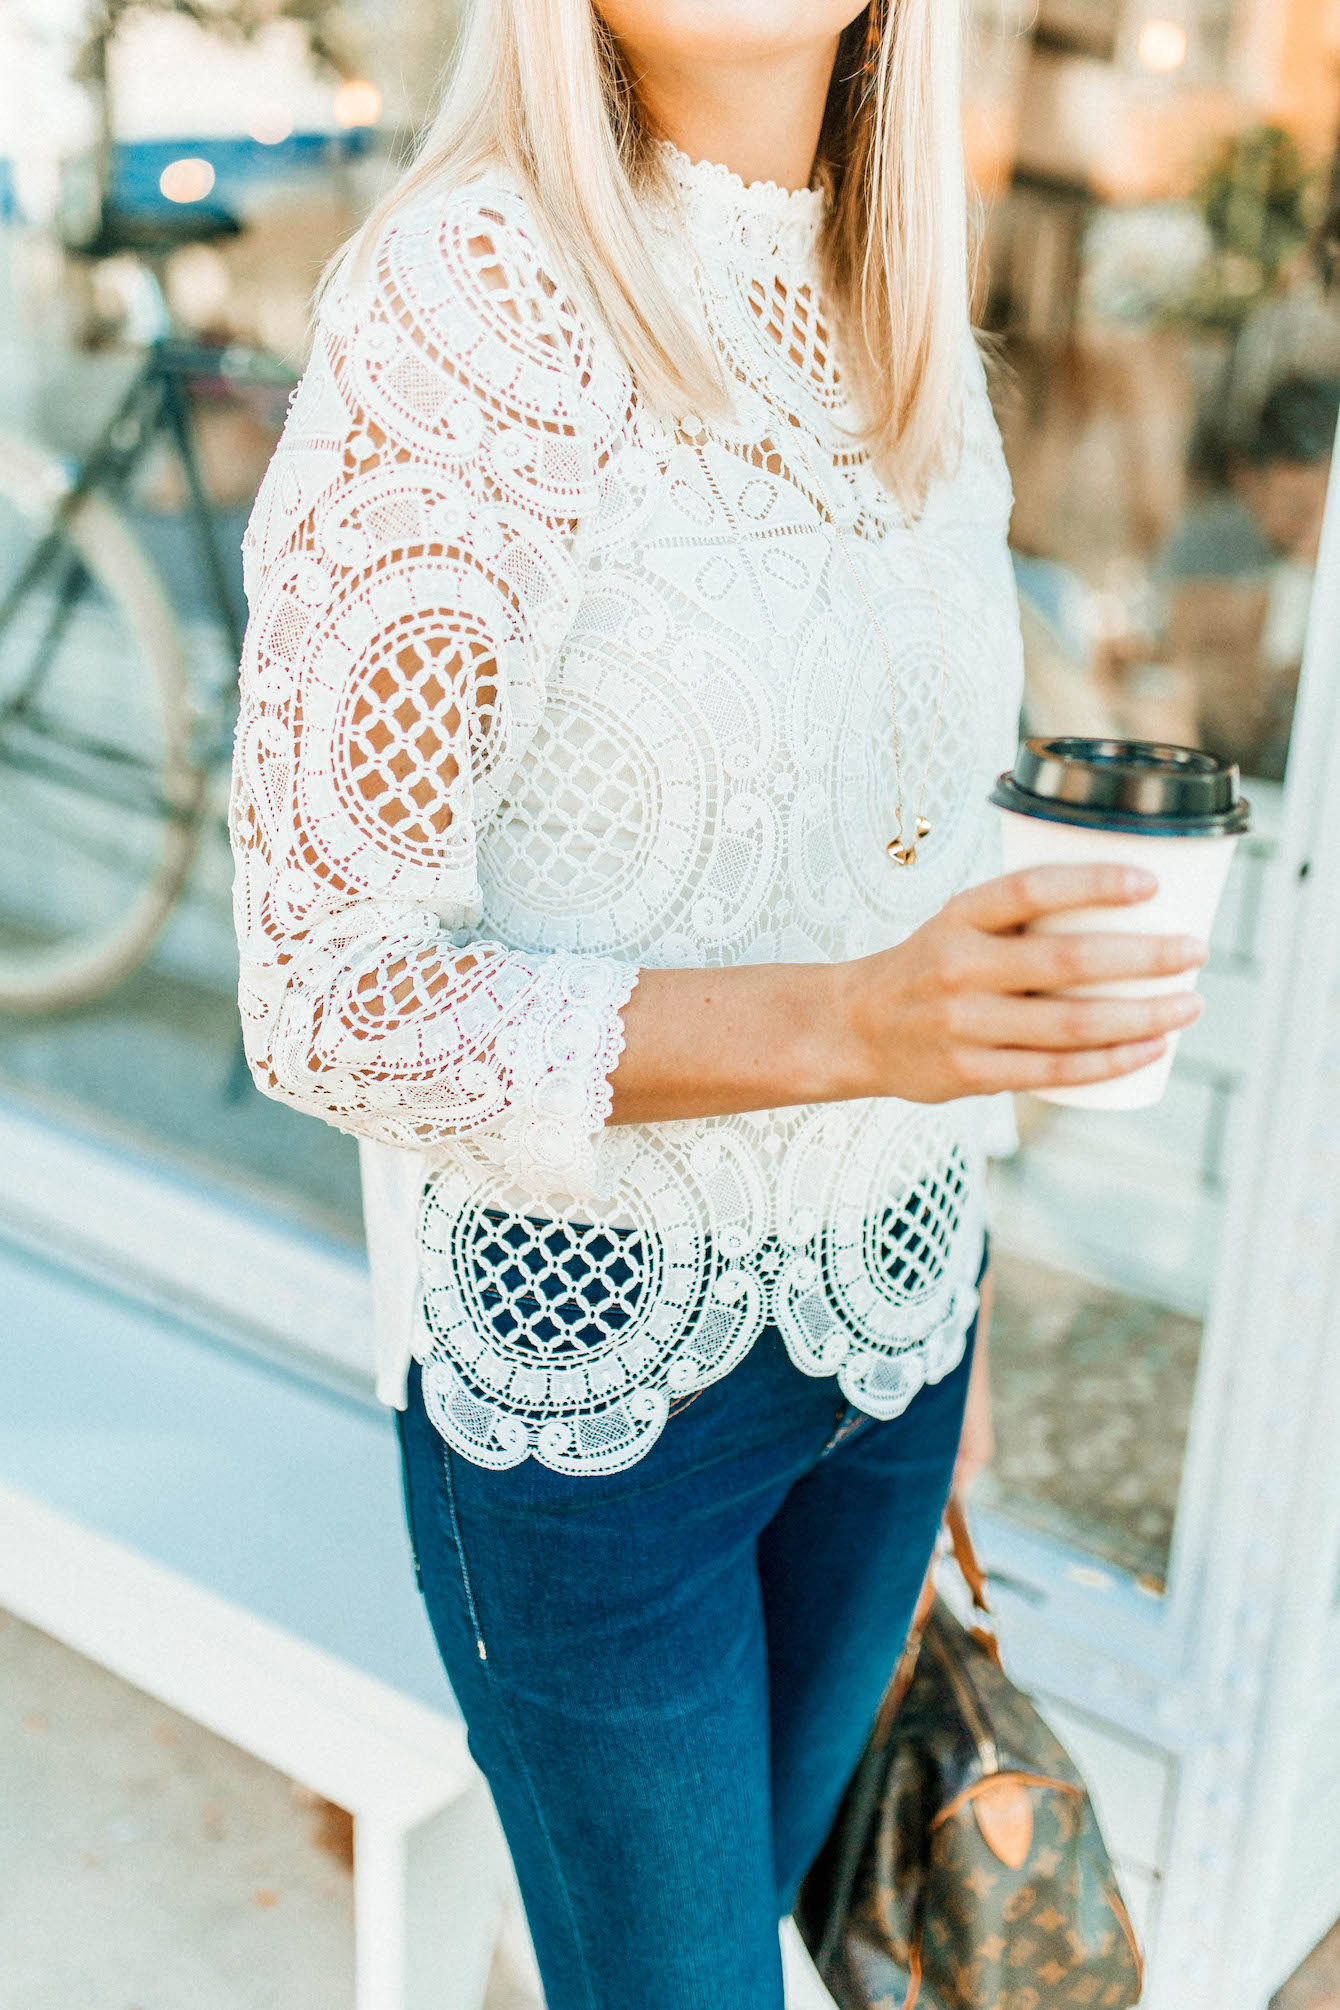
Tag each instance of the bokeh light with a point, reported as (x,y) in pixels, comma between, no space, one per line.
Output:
(186,180)
(270,124)
(357,102)
(1162,46)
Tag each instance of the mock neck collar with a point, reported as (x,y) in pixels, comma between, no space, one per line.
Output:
(756,219)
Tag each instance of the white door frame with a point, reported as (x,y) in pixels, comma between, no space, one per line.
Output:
(1224,1672)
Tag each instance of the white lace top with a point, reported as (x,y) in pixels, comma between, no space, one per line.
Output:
(539,689)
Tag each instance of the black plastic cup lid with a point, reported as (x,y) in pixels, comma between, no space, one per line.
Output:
(1125,785)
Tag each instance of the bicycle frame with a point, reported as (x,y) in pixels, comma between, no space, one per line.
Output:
(129,733)
(155,403)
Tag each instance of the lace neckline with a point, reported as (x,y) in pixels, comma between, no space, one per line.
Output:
(759,217)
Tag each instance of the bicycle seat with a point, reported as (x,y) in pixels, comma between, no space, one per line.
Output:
(154,233)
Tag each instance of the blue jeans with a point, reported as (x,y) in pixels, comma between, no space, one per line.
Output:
(668,1674)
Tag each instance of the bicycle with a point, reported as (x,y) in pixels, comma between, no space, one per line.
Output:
(107,742)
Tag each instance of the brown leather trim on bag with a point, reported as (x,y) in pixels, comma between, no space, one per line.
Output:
(1118,1904)
(988,1643)
(925,1601)
(914,1975)
(978,1786)
(1005,1820)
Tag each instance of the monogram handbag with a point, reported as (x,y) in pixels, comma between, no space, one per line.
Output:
(965,1869)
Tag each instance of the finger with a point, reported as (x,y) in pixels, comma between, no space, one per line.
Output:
(1050,962)
(1056,1023)
(1018,897)
(999,1068)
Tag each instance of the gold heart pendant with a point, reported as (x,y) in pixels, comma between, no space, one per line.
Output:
(898,848)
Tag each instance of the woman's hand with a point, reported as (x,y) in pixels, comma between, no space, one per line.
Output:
(954,1010)
(977,1440)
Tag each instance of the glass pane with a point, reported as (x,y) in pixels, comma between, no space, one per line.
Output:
(116,667)
(1157,269)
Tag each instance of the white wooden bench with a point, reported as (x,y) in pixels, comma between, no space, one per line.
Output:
(228,1535)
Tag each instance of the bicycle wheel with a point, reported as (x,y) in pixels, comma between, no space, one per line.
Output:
(100,797)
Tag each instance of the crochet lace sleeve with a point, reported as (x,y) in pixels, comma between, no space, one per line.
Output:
(411,571)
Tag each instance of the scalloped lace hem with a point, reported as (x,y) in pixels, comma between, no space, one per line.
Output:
(880,1377)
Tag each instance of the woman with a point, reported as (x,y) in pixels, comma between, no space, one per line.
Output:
(633,644)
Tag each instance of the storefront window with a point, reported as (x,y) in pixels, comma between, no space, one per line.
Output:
(1156,185)
(125,218)
(1156,275)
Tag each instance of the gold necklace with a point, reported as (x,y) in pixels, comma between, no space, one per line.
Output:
(898,849)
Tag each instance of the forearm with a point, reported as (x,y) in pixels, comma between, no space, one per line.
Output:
(705,1043)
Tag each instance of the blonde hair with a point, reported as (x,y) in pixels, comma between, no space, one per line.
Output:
(540,87)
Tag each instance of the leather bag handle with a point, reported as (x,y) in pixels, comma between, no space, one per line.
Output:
(973,1575)
(970,1569)
(965,1552)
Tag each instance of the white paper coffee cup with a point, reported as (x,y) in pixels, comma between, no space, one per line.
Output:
(1175,811)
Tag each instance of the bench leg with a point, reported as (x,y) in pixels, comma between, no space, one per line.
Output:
(426,1907)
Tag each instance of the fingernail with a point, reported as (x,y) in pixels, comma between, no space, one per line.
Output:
(1137,880)
(1190,1007)
(1195,949)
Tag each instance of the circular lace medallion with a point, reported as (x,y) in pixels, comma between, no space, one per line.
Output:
(567,1338)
